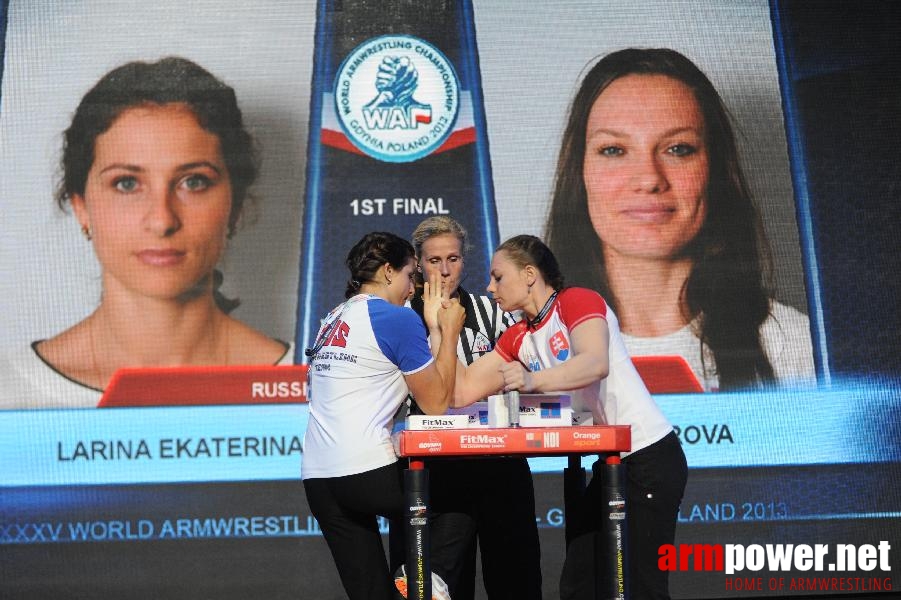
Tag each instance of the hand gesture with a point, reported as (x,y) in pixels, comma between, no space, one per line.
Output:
(433,296)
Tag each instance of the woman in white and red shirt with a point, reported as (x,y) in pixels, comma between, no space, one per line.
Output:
(569,340)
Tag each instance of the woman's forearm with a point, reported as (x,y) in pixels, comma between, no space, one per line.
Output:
(435,340)
(577,372)
(479,380)
(446,362)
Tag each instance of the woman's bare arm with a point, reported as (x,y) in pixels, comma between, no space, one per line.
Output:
(479,380)
(590,363)
(433,387)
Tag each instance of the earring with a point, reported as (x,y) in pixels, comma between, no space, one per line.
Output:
(388,280)
(87,233)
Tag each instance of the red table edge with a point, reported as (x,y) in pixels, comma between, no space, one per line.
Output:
(514,441)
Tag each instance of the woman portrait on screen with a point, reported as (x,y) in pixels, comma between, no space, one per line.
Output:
(156,167)
(651,209)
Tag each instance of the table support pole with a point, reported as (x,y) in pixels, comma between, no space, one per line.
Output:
(611,569)
(416,531)
(574,497)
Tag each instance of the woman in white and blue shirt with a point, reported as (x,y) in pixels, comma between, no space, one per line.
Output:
(369,355)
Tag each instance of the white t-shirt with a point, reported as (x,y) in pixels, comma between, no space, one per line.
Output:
(785,337)
(28,382)
(621,398)
(365,348)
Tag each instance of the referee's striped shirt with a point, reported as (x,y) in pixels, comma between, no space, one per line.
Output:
(484,324)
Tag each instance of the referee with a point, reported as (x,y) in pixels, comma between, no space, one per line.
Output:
(488,502)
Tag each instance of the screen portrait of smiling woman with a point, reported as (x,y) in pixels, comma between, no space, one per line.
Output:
(156,167)
(651,209)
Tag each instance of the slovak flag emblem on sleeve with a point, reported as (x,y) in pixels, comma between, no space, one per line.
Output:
(559,346)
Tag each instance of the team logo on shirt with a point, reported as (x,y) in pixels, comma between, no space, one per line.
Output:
(559,346)
(338,335)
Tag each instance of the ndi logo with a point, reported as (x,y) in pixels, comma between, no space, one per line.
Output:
(397,98)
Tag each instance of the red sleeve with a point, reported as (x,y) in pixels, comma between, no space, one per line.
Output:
(580,304)
(508,344)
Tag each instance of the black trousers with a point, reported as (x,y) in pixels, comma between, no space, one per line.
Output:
(347,509)
(655,484)
(489,502)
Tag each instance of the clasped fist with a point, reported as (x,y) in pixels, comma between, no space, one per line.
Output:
(516,377)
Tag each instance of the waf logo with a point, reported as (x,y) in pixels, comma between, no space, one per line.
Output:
(397,98)
(559,346)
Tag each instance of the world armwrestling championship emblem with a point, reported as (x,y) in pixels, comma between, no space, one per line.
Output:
(397,98)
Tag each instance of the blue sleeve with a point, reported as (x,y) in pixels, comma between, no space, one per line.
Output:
(401,336)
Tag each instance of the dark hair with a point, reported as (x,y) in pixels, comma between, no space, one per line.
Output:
(726,287)
(524,250)
(171,80)
(370,253)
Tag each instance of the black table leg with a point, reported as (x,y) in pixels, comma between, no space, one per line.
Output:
(416,531)
(611,570)
(574,498)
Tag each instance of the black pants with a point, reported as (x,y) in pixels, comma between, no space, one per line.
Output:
(491,500)
(347,509)
(656,478)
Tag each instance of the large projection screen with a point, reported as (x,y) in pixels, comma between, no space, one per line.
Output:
(145,502)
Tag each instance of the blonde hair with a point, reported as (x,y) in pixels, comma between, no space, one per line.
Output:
(434,226)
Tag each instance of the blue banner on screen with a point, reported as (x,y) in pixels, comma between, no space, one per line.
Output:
(151,445)
(397,134)
(849,423)
(855,424)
